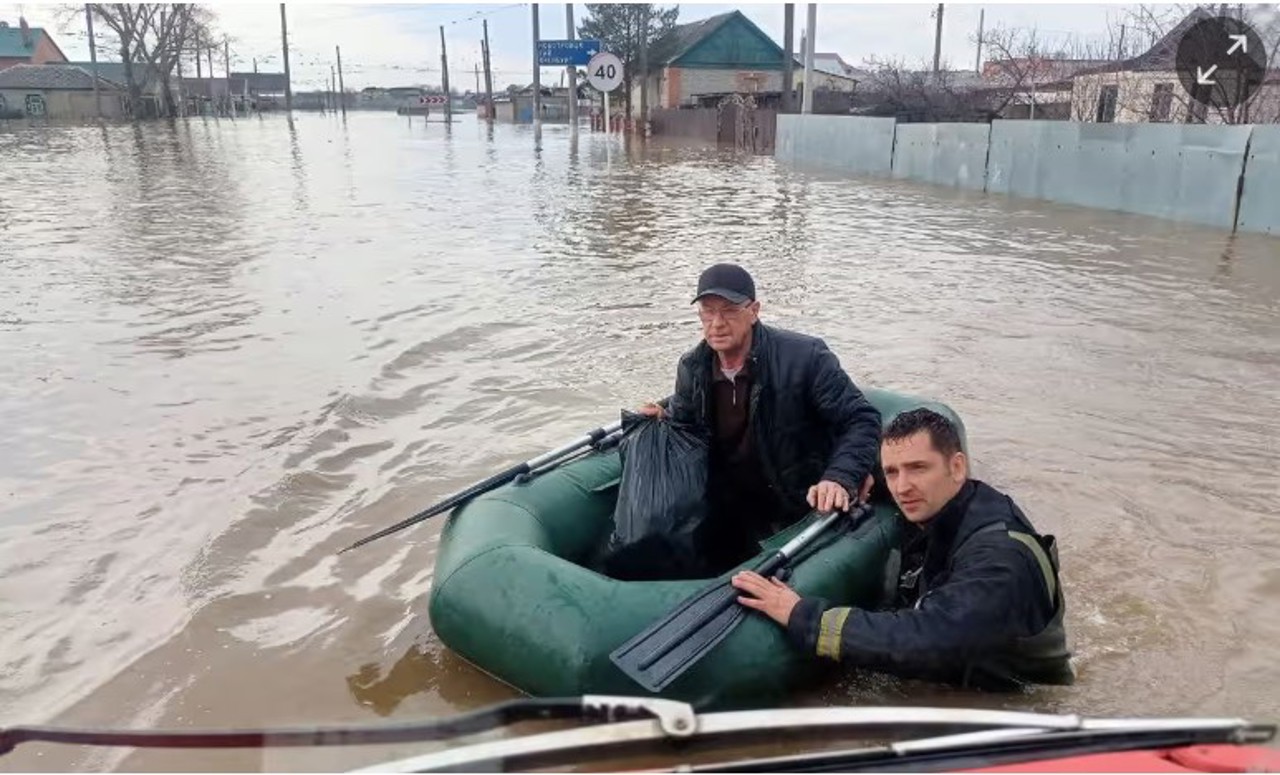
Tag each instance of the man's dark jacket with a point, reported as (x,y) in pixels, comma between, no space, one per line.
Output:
(971,603)
(807,421)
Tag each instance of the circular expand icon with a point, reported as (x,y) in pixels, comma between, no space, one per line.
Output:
(1221,62)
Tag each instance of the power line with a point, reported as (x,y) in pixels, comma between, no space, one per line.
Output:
(483,14)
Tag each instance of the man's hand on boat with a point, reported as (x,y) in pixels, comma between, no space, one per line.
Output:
(768,596)
(830,496)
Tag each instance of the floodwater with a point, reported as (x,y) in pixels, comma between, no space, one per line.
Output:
(231,348)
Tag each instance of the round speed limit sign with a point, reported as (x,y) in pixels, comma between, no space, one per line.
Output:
(604,71)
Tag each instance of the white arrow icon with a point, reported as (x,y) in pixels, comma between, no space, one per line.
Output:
(1205,78)
(1241,42)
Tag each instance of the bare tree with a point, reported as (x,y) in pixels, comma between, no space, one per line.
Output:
(1027,66)
(128,23)
(168,35)
(627,29)
(893,89)
(150,38)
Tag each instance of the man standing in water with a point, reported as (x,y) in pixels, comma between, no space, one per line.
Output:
(788,428)
(977,600)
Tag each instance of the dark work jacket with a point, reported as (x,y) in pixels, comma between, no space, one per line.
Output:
(971,603)
(807,421)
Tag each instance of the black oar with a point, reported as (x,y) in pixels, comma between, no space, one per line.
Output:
(482,720)
(497,480)
(675,643)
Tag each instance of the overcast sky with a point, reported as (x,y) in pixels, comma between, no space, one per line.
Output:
(389,45)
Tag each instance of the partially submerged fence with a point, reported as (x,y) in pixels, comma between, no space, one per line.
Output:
(1227,176)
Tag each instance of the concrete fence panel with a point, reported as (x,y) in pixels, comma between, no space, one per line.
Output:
(1260,200)
(943,154)
(1181,172)
(850,144)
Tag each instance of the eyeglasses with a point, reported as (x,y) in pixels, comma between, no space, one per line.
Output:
(730,313)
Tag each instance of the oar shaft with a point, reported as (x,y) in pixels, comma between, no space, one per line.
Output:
(766,568)
(805,536)
(499,479)
(573,446)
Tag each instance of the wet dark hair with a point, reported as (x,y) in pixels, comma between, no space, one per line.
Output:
(942,433)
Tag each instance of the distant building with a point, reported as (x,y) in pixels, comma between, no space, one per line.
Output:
(1039,87)
(834,64)
(199,91)
(57,92)
(259,88)
(150,85)
(26,45)
(516,106)
(830,73)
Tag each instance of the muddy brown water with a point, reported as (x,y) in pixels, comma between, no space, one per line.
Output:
(231,348)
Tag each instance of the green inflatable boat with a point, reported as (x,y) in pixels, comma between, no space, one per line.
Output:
(511,594)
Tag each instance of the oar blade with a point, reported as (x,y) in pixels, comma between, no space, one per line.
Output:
(685,635)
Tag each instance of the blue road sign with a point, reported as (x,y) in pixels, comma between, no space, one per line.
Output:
(567,52)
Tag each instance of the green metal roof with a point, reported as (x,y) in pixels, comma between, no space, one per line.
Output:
(726,41)
(13,47)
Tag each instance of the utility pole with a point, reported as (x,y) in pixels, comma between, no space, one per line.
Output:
(255,65)
(573,71)
(937,44)
(812,43)
(333,102)
(342,88)
(789,57)
(982,17)
(444,77)
(284,42)
(537,84)
(93,58)
(213,105)
(488,75)
(226,61)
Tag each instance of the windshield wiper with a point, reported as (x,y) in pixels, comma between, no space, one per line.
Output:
(621,724)
(992,748)
(673,716)
(996,728)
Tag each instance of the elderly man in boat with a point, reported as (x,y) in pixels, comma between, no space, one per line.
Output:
(976,599)
(789,429)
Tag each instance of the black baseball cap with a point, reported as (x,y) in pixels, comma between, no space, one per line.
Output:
(728,280)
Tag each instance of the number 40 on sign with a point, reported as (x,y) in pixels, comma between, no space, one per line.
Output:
(604,71)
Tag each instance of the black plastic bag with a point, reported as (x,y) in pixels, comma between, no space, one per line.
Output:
(662,508)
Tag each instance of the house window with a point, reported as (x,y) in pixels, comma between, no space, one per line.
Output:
(1197,112)
(35,105)
(1107,104)
(1162,102)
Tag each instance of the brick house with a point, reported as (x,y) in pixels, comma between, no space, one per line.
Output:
(25,45)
